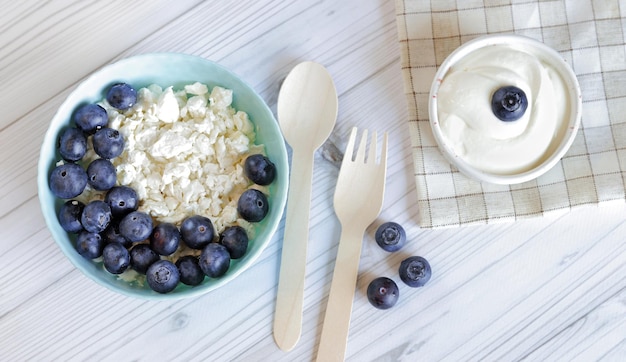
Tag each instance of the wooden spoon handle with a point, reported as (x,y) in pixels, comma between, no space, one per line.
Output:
(288,315)
(334,338)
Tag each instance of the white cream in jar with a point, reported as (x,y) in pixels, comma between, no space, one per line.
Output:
(469,125)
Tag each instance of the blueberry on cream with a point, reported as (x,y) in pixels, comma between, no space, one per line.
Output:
(509,103)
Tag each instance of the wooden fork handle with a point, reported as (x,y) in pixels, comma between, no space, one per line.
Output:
(334,336)
(288,314)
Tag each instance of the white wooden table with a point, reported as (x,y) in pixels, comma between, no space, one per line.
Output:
(541,289)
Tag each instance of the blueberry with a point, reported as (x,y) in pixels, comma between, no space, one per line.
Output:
(121,96)
(141,257)
(69,216)
(260,169)
(122,200)
(162,276)
(72,144)
(90,118)
(136,226)
(112,234)
(101,174)
(108,143)
(197,231)
(115,258)
(68,180)
(189,269)
(89,245)
(96,216)
(390,236)
(165,238)
(252,205)
(415,271)
(214,260)
(383,293)
(235,239)
(509,103)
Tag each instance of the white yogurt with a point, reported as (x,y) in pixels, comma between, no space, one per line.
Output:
(476,135)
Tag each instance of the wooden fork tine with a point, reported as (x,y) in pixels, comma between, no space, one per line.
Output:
(347,157)
(371,157)
(360,152)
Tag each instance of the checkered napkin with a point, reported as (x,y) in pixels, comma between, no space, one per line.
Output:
(589,34)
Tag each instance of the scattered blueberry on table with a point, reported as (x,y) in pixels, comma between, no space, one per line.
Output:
(415,271)
(383,293)
(390,236)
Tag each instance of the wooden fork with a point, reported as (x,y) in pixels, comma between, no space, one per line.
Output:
(358,201)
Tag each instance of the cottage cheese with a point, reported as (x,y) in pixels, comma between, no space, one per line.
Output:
(184,152)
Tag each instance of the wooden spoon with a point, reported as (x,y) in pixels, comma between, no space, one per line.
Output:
(307,111)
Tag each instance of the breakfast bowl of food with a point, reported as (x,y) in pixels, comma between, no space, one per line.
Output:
(504,109)
(163,176)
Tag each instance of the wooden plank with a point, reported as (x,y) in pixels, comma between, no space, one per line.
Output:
(46,53)
(541,289)
(598,334)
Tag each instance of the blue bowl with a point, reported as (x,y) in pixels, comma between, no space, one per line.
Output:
(177,70)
